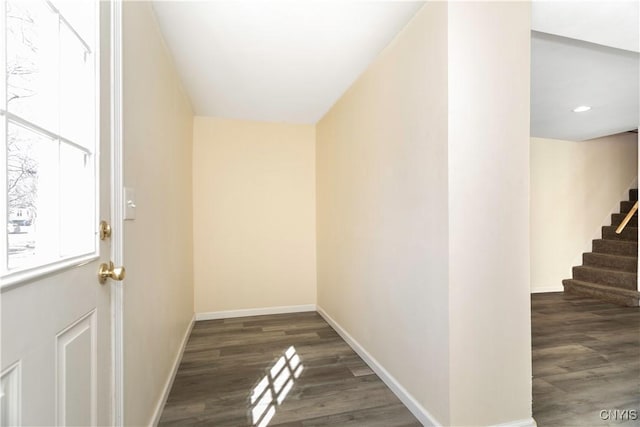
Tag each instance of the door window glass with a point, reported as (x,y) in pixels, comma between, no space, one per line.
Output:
(49,128)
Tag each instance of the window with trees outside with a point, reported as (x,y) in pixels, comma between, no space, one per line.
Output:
(49,127)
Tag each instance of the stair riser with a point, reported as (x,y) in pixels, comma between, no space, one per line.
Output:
(615,247)
(626,206)
(627,264)
(629,233)
(610,272)
(603,295)
(616,219)
(617,279)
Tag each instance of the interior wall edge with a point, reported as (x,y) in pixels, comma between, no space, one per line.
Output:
(157,413)
(545,289)
(263,311)
(418,411)
(526,422)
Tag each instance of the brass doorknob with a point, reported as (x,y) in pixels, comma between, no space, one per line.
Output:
(108,271)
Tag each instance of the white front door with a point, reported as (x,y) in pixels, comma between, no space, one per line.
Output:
(56,355)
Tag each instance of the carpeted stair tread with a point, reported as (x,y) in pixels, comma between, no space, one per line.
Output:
(626,297)
(625,206)
(602,276)
(629,233)
(613,262)
(615,247)
(617,218)
(610,271)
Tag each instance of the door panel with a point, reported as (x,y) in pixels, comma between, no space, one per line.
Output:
(10,391)
(76,354)
(56,330)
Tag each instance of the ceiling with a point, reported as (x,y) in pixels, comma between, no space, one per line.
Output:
(290,60)
(609,23)
(276,61)
(566,73)
(584,53)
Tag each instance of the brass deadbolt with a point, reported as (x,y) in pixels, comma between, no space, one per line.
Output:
(105,230)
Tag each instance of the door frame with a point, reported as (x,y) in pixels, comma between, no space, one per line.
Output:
(117,213)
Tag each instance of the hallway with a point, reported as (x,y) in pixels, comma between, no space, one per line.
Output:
(586,359)
(277,370)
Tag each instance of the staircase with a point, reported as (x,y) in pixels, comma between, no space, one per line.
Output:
(610,271)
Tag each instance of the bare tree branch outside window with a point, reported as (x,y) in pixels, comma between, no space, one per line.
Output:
(50,127)
(22,168)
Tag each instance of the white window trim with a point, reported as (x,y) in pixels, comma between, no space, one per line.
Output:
(23,277)
(117,211)
(4,209)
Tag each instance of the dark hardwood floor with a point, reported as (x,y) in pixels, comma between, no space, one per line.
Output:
(294,370)
(281,370)
(586,359)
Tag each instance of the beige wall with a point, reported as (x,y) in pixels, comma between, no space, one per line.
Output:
(423,189)
(158,294)
(422,181)
(254,214)
(489,319)
(382,210)
(574,188)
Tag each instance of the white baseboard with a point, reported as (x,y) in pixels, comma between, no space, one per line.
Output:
(546,289)
(409,401)
(527,422)
(213,315)
(167,386)
(405,397)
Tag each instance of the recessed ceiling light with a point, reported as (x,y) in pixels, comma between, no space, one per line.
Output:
(581,109)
